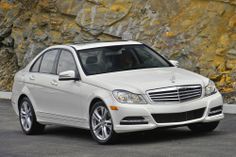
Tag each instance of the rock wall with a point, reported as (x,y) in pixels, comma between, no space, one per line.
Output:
(200,34)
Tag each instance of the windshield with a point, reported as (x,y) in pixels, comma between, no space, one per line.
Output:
(120,58)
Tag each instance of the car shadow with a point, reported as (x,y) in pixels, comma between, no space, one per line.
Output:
(153,136)
(67,132)
(163,135)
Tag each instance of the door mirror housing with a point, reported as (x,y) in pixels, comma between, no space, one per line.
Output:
(68,75)
(174,62)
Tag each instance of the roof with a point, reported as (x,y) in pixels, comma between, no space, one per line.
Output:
(83,46)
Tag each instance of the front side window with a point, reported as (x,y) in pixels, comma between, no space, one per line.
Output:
(66,62)
(47,64)
(120,58)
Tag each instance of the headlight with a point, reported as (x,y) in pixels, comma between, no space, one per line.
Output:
(210,88)
(123,96)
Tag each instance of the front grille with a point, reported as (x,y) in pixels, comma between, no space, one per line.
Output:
(178,117)
(175,93)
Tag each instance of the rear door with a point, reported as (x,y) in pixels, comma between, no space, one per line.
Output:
(42,82)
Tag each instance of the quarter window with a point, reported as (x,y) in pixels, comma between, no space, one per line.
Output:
(66,62)
(47,64)
(35,67)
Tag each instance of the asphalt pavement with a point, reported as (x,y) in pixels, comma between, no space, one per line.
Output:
(73,142)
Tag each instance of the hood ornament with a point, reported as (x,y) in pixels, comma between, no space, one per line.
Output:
(173,79)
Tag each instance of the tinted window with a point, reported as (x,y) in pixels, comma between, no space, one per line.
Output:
(48,61)
(66,62)
(35,67)
(120,58)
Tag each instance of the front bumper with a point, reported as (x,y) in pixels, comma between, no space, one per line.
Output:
(146,111)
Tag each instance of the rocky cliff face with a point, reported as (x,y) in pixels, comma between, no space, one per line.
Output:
(200,34)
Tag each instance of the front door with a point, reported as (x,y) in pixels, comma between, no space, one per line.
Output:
(68,96)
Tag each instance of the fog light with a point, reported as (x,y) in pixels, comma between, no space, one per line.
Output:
(133,121)
(215,111)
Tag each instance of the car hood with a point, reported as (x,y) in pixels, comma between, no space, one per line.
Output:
(139,81)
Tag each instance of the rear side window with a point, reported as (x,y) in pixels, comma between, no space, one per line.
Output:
(66,62)
(48,61)
(35,67)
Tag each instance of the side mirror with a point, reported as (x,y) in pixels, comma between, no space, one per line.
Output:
(67,75)
(174,62)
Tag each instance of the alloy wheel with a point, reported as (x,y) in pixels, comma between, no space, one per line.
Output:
(101,123)
(26,116)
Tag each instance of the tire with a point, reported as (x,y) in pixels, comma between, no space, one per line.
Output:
(27,118)
(203,127)
(101,125)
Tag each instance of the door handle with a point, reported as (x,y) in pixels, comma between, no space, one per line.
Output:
(54,83)
(32,77)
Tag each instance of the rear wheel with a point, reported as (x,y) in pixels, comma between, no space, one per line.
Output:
(27,118)
(101,125)
(203,127)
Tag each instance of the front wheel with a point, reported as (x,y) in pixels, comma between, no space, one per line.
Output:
(203,127)
(101,126)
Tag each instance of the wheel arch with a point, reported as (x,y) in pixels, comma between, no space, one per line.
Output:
(94,101)
(99,94)
(19,100)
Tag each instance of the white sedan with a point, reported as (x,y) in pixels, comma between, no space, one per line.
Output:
(111,88)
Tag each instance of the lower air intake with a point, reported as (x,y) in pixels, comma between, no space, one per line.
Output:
(178,117)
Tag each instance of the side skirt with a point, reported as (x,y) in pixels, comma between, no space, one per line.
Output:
(48,118)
